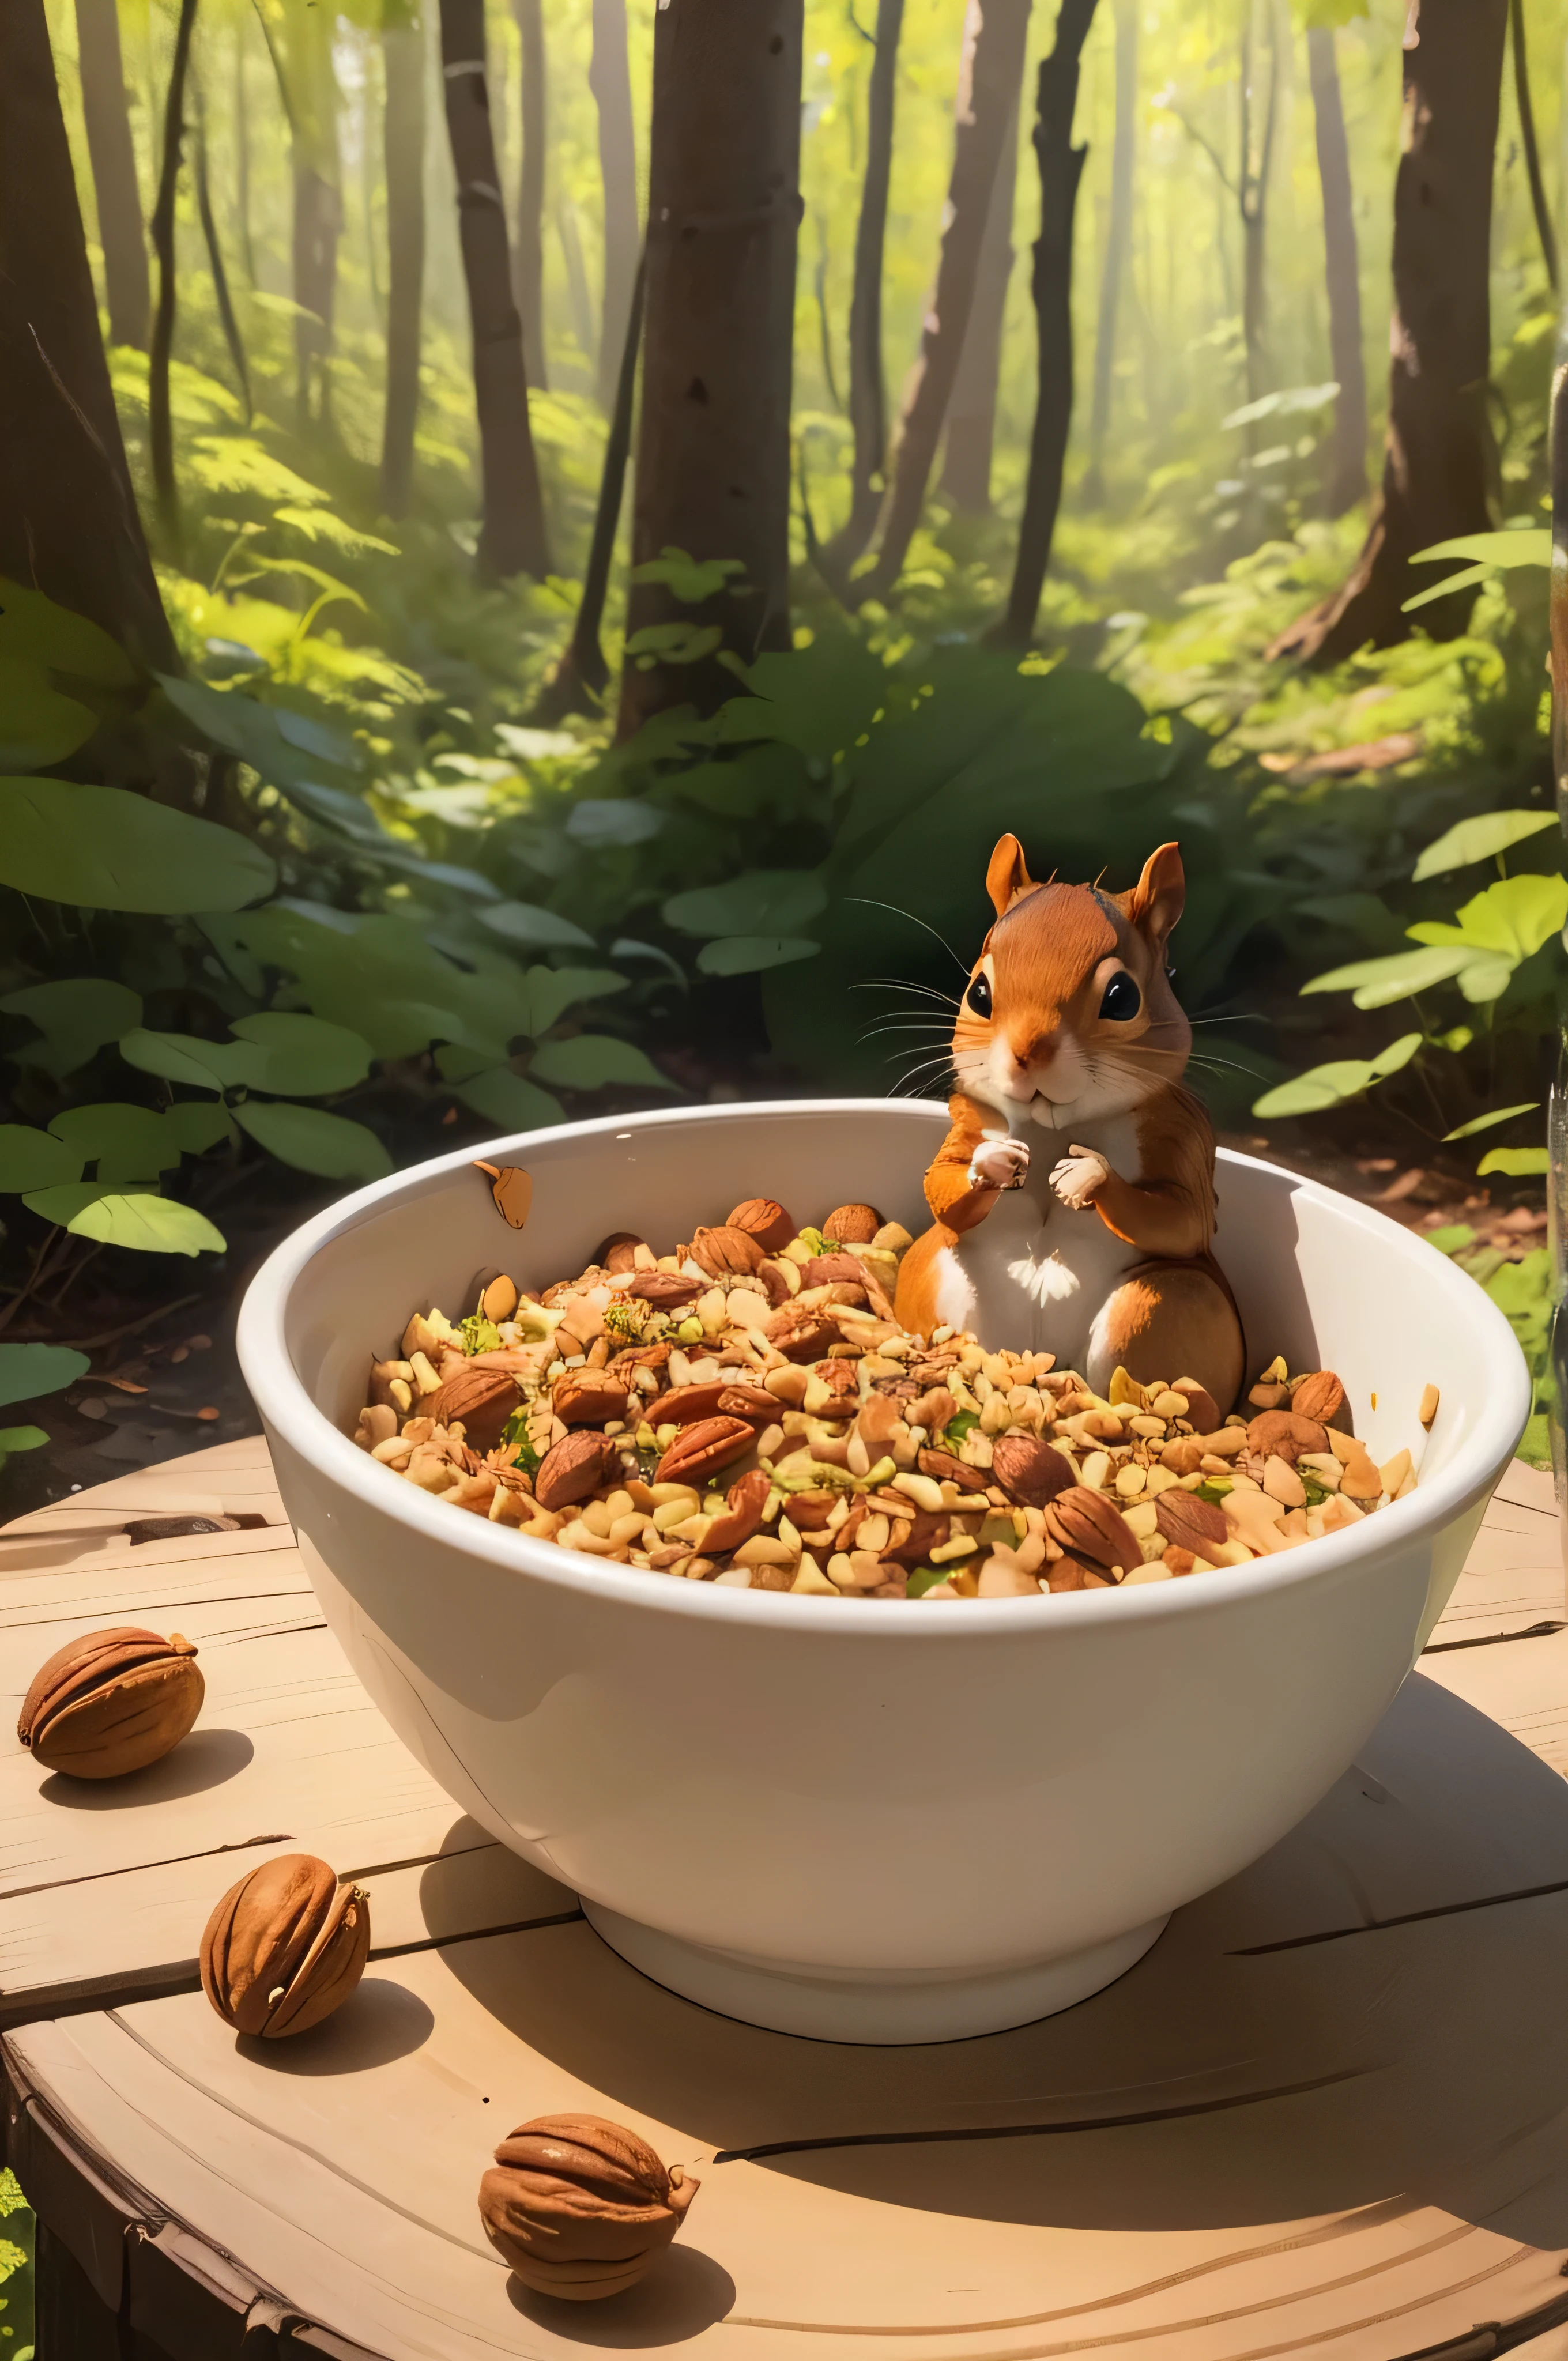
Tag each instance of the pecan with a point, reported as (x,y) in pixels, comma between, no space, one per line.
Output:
(666,1291)
(1093,1526)
(723,1251)
(754,1403)
(637,1357)
(1028,1470)
(852,1225)
(572,1469)
(589,1398)
(1204,1412)
(618,1253)
(683,1405)
(111,1702)
(1321,1397)
(740,1515)
(285,1947)
(1190,1523)
(1282,1434)
(581,2208)
(483,1398)
(947,1469)
(802,1333)
(764,1219)
(700,1450)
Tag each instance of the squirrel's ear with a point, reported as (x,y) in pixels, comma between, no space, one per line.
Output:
(1008,875)
(1156,901)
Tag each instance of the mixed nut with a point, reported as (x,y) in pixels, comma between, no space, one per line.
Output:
(747,1410)
(580,2207)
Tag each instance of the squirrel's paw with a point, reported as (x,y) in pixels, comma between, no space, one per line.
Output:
(999,1164)
(1079,1175)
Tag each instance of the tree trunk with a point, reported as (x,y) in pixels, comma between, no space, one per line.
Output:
(1117,241)
(1532,145)
(1061,168)
(242,147)
(713,457)
(1347,459)
(299,35)
(609,79)
(1252,196)
(529,260)
(112,153)
(225,301)
(972,412)
(67,515)
(159,423)
(992,68)
(318,218)
(867,393)
(1436,465)
(402,54)
(512,537)
(578,294)
(579,680)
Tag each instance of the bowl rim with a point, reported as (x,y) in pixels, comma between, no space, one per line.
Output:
(288,1412)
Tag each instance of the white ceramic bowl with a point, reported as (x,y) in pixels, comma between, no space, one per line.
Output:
(867,1820)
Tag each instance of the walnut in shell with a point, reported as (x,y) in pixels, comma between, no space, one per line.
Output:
(1089,1525)
(852,1225)
(581,2208)
(111,1702)
(727,1251)
(764,1219)
(285,1947)
(1283,1435)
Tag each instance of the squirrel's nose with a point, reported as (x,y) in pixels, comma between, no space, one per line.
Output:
(1035,1048)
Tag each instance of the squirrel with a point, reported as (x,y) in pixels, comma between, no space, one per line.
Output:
(1093,1243)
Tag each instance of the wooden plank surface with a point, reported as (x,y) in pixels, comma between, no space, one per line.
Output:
(1329,2110)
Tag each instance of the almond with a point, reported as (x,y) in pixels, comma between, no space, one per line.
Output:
(853,1226)
(949,1470)
(726,1250)
(1030,1471)
(1092,1526)
(666,1291)
(802,1333)
(1189,1523)
(483,1398)
(764,1219)
(1284,1434)
(589,1398)
(1321,1397)
(572,1469)
(701,1449)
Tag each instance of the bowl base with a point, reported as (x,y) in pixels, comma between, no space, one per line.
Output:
(829,2008)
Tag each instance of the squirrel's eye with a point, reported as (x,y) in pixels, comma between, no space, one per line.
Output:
(1123,999)
(979,996)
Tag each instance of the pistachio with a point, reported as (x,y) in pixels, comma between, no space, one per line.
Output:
(111,1702)
(285,1947)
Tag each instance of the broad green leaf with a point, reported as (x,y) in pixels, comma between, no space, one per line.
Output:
(1518,1163)
(594,821)
(33,626)
(550,990)
(1485,1121)
(38,727)
(540,929)
(628,947)
(106,849)
(1480,839)
(758,901)
(1486,977)
(1330,1085)
(1469,577)
(129,1143)
(62,1204)
(75,1017)
(510,1100)
(594,1059)
(21,1438)
(689,579)
(302,1057)
(184,1057)
(1376,983)
(27,1371)
(281,746)
(1515,917)
(149,1225)
(818,699)
(33,1160)
(749,954)
(1523,546)
(315,1141)
(198,1124)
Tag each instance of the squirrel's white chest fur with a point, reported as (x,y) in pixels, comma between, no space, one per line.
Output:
(1035,1274)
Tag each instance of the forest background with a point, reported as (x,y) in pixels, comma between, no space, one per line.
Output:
(374,776)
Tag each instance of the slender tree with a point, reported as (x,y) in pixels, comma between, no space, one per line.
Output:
(1061,168)
(402,64)
(527,261)
(609,78)
(67,515)
(1118,238)
(1347,458)
(512,536)
(713,459)
(1437,465)
(299,35)
(1255,161)
(1544,228)
(991,69)
(242,145)
(579,680)
(972,412)
(112,153)
(868,393)
(577,295)
(224,299)
(160,423)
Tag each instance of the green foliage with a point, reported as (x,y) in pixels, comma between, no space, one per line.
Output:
(1481,838)
(1331,1085)
(104,848)
(27,1371)
(315,1141)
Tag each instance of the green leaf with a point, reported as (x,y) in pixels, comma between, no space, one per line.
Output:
(303,1056)
(33,626)
(62,1204)
(320,524)
(184,1057)
(599,822)
(1480,839)
(129,1143)
(1513,918)
(280,746)
(28,1370)
(38,726)
(20,1438)
(592,1061)
(1330,1085)
(75,1017)
(33,1160)
(675,643)
(758,901)
(1469,577)
(1519,1163)
(689,579)
(749,954)
(1376,983)
(1523,545)
(540,929)
(198,1124)
(1292,402)
(1452,1238)
(106,849)
(1484,1121)
(550,990)
(924,1578)
(315,1141)
(510,1100)
(149,1225)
